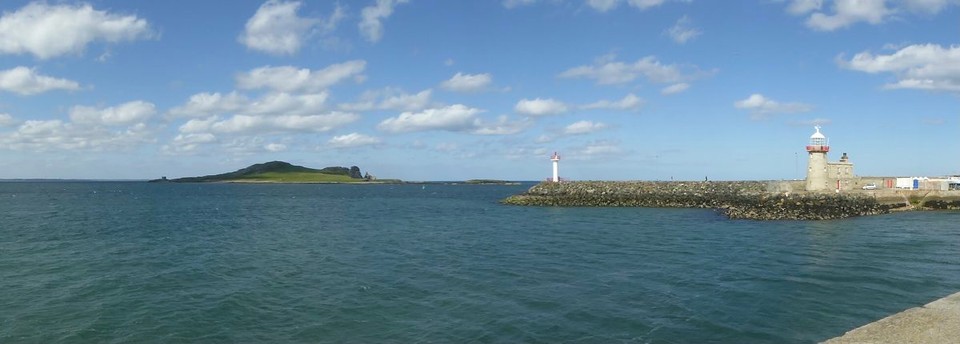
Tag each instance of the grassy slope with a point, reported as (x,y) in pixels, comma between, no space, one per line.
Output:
(296,177)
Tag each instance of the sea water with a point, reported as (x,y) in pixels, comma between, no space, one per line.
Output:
(141,262)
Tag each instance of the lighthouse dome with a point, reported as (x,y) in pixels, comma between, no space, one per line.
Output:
(818,134)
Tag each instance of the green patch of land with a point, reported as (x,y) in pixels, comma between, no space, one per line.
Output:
(281,172)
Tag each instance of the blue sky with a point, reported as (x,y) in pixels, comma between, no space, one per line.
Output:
(453,90)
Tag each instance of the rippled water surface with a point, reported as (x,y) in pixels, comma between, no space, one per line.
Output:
(138,262)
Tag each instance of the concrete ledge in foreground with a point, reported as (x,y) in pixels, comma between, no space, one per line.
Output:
(936,322)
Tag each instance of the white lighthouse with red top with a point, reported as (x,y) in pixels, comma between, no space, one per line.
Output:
(817,164)
(556,167)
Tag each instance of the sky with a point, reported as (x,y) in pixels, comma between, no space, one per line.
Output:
(455,90)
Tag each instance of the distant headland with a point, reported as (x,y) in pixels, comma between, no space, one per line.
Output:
(284,172)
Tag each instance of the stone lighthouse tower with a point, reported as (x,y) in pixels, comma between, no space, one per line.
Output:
(817,164)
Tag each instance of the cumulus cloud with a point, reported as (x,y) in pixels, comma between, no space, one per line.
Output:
(456,117)
(371,26)
(207,104)
(596,150)
(277,29)
(124,114)
(629,102)
(606,5)
(844,13)
(683,31)
(540,107)
(607,71)
(675,88)
(801,7)
(6,120)
(26,81)
(517,3)
(247,124)
(762,107)
(502,126)
(292,79)
(583,127)
(275,103)
(467,82)
(847,12)
(50,135)
(48,31)
(353,140)
(184,143)
(390,99)
(923,66)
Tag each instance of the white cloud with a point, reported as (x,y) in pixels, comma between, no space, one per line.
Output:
(467,82)
(292,79)
(540,107)
(928,6)
(606,5)
(594,151)
(246,124)
(370,25)
(53,30)
(801,7)
(675,88)
(275,103)
(48,135)
(26,81)
(124,114)
(407,102)
(285,103)
(603,5)
(7,121)
(848,12)
(502,126)
(392,99)
(922,66)
(183,143)
(844,13)
(682,31)
(277,29)
(607,71)
(583,127)
(450,118)
(761,107)
(353,140)
(629,102)
(645,4)
(517,3)
(275,147)
(207,104)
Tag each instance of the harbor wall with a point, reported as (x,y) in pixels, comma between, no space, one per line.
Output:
(760,200)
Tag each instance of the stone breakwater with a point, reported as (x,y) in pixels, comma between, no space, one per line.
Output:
(736,199)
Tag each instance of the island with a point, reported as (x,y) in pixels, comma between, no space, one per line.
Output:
(284,172)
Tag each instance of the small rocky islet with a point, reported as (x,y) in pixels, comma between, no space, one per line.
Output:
(757,200)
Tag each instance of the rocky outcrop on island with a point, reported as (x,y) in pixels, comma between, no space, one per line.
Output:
(735,199)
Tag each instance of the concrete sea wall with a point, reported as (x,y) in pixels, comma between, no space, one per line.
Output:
(736,199)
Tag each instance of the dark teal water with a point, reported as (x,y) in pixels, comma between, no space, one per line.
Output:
(138,262)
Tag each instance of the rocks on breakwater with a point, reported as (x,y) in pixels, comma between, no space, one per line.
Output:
(736,199)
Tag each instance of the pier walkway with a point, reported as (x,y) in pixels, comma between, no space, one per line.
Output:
(936,322)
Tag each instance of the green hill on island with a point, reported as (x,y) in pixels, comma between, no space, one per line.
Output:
(280,172)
